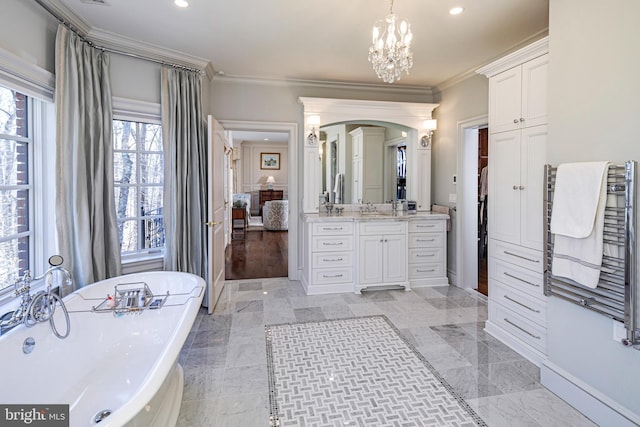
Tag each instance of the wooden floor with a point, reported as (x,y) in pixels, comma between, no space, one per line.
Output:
(260,254)
(483,286)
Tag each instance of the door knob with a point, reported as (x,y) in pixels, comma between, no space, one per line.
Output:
(212,223)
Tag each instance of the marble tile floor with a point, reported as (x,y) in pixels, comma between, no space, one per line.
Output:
(225,366)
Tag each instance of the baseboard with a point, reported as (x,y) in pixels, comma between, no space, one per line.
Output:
(453,278)
(592,403)
(426,283)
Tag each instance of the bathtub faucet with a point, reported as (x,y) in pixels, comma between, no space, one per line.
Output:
(41,306)
(22,288)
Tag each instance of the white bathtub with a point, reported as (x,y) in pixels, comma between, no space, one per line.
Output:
(125,364)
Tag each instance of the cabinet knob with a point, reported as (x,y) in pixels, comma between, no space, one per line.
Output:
(521,187)
(521,119)
(515,187)
(515,121)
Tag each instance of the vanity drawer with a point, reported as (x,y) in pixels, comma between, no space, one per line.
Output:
(522,303)
(418,226)
(332,275)
(426,240)
(522,279)
(420,256)
(519,255)
(382,227)
(426,270)
(530,333)
(332,259)
(332,228)
(332,243)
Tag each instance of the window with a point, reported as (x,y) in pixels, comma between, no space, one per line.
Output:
(16,192)
(139,176)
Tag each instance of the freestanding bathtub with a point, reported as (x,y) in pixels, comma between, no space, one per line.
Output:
(124,365)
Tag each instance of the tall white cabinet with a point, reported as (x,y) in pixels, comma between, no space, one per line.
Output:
(517,153)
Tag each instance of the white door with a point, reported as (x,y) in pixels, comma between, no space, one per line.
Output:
(534,154)
(504,186)
(505,99)
(534,91)
(216,212)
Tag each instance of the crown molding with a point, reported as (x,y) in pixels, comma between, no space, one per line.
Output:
(531,51)
(67,15)
(123,45)
(328,84)
(127,46)
(446,84)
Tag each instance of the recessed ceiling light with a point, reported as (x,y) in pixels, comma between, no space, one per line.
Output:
(456,10)
(181,3)
(266,139)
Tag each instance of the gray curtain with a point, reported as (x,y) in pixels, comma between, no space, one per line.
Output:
(185,158)
(85,205)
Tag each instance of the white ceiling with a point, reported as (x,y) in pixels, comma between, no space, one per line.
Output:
(261,137)
(322,40)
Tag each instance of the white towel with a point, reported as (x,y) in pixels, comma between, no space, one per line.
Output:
(337,190)
(577,221)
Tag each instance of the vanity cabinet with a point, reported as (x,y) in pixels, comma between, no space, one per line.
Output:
(328,263)
(367,145)
(356,251)
(517,154)
(382,254)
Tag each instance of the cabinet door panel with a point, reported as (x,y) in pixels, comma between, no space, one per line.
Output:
(395,258)
(370,259)
(534,91)
(505,100)
(534,152)
(504,175)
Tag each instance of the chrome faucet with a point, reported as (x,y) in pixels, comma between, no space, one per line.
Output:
(41,306)
(22,288)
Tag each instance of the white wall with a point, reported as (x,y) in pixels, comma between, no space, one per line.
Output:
(29,32)
(464,100)
(594,102)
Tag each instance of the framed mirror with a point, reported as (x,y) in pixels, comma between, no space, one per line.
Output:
(410,178)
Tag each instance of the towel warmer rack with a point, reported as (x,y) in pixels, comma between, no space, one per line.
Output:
(616,294)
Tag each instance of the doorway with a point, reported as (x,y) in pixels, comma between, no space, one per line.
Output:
(254,252)
(471,255)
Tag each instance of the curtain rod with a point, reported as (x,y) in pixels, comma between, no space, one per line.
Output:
(77,32)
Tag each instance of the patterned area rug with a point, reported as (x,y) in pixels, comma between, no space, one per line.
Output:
(356,372)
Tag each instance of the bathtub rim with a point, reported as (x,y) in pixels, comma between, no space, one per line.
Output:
(167,359)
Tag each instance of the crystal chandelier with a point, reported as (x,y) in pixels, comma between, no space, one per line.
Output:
(390,52)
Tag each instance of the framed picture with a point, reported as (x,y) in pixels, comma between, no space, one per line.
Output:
(270,161)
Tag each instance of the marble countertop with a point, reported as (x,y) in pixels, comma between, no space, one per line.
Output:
(373,216)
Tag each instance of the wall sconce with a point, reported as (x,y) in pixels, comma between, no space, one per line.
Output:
(270,181)
(312,138)
(429,126)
